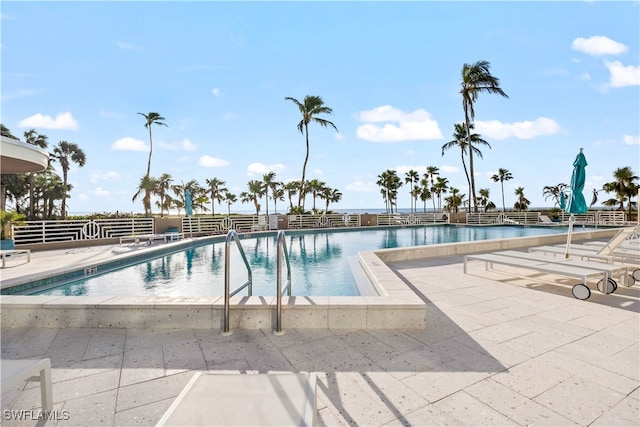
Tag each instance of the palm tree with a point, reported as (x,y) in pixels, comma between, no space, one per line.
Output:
(522,203)
(310,108)
(389,181)
(34,138)
(432,172)
(476,78)
(151,119)
(410,178)
(277,193)
(441,186)
(148,185)
(455,200)
(163,184)
(460,140)
(268,179)
(484,200)
(216,191)
(65,153)
(230,199)
(314,187)
(425,193)
(624,185)
(291,188)
(502,176)
(256,191)
(330,195)
(554,191)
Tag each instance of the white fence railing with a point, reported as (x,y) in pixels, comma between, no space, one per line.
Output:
(70,230)
(489,218)
(413,218)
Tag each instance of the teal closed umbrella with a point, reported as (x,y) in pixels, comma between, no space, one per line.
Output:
(575,203)
(187,203)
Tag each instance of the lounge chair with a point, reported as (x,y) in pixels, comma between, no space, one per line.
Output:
(8,252)
(17,371)
(545,220)
(580,291)
(245,399)
(620,270)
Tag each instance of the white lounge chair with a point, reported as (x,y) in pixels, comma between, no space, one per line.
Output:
(245,400)
(580,290)
(8,252)
(545,220)
(17,371)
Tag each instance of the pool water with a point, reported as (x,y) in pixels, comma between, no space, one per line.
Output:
(320,262)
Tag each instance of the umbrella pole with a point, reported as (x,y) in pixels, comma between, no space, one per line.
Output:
(571,221)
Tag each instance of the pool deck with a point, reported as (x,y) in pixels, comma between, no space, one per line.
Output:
(497,349)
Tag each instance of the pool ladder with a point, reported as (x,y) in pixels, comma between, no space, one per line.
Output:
(282,254)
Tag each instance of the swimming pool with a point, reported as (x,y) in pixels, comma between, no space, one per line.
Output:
(321,262)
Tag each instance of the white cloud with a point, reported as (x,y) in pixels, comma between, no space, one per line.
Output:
(621,76)
(129,46)
(212,162)
(229,116)
(598,45)
(101,192)
(522,130)
(184,159)
(187,145)
(257,168)
(361,186)
(417,125)
(449,169)
(631,140)
(62,121)
(21,93)
(94,177)
(129,144)
(215,91)
(339,136)
(401,170)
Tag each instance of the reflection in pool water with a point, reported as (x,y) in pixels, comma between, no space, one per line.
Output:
(319,262)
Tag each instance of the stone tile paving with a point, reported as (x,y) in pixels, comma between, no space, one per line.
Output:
(498,350)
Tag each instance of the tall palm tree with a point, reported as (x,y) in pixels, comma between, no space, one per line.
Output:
(277,193)
(412,177)
(502,176)
(460,140)
(152,119)
(66,153)
(310,108)
(34,138)
(425,193)
(389,181)
(476,78)
(522,203)
(484,200)
(455,200)
(216,191)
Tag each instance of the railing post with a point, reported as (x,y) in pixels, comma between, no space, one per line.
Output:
(227,297)
(281,253)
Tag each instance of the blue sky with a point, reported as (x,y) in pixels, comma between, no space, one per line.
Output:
(219,72)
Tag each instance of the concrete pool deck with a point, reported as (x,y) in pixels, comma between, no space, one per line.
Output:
(497,349)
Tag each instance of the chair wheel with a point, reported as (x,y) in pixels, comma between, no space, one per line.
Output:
(631,280)
(611,286)
(581,291)
(636,274)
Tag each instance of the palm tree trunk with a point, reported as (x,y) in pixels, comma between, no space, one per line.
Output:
(472,181)
(304,165)
(502,187)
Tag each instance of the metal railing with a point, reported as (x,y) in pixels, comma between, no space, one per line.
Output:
(490,218)
(233,236)
(49,231)
(416,218)
(282,254)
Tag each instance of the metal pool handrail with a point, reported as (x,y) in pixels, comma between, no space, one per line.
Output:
(233,235)
(282,253)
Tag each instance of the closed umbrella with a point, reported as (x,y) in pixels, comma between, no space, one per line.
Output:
(187,203)
(575,203)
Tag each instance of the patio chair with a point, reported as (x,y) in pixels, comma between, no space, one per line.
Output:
(17,371)
(545,220)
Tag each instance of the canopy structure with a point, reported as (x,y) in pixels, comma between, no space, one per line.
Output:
(20,157)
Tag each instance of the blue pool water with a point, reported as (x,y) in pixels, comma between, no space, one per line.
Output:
(319,262)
